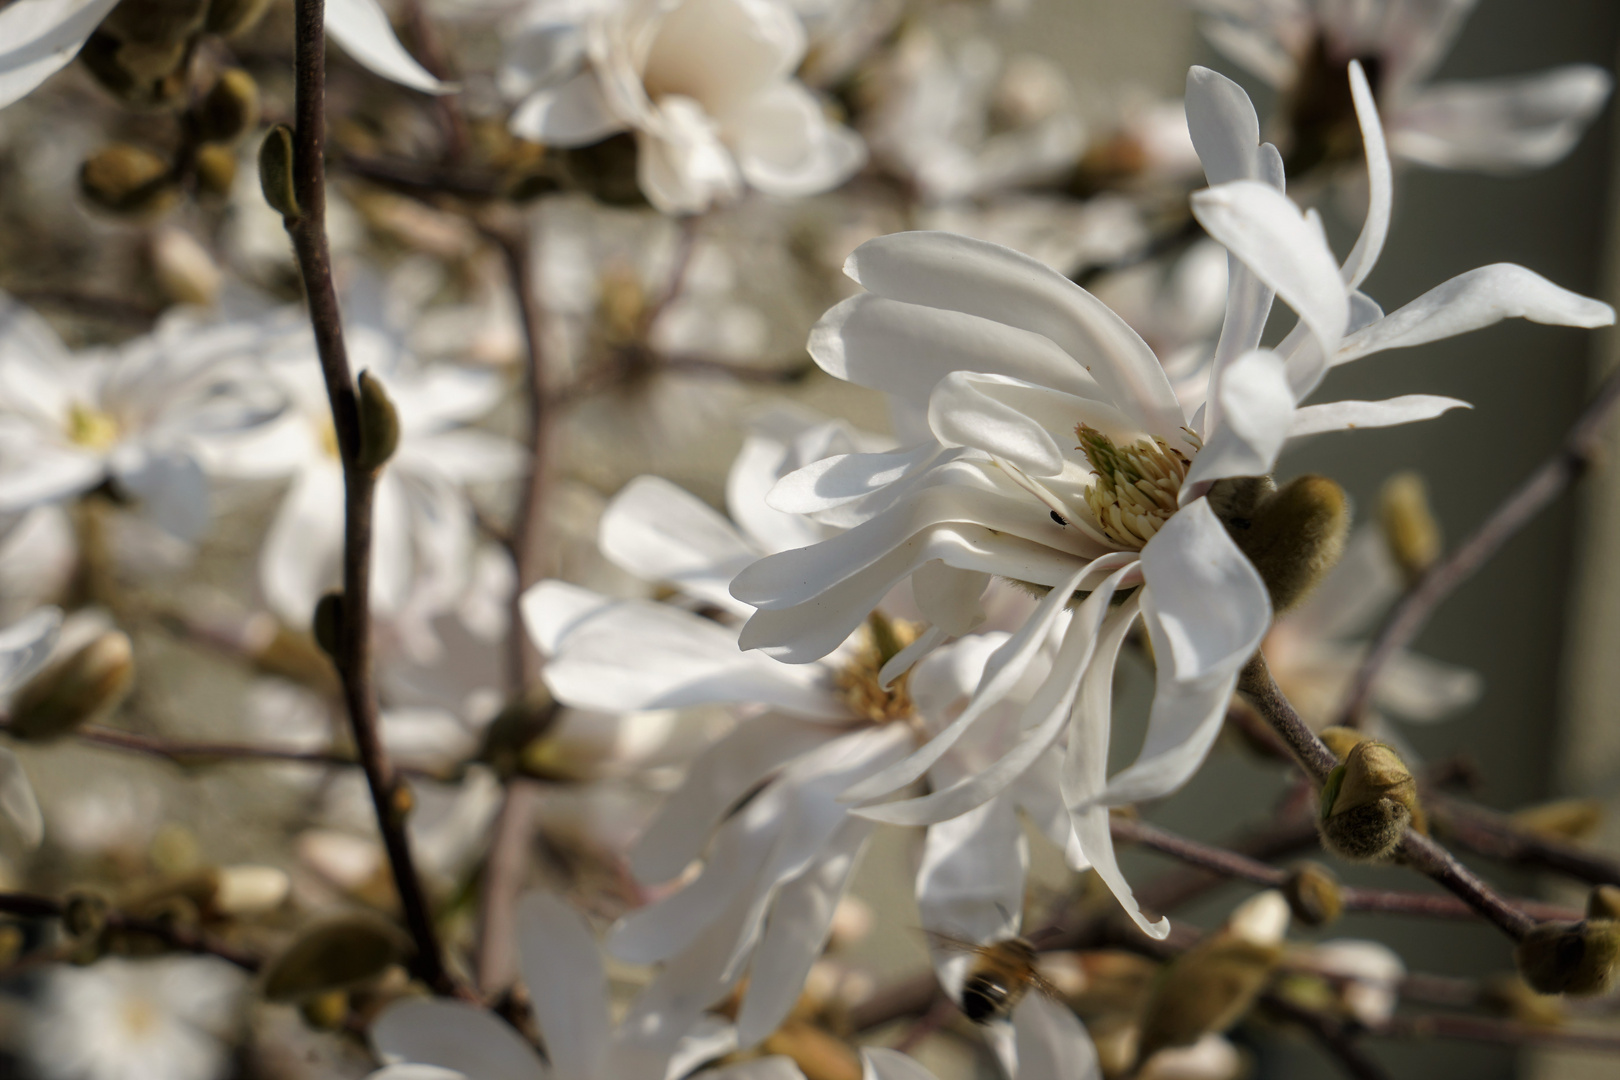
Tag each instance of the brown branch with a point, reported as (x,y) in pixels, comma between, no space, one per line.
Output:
(503,868)
(1413,609)
(189,752)
(180,938)
(1416,850)
(1493,1030)
(1498,837)
(308,233)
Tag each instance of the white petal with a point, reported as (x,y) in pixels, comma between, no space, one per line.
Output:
(1284,247)
(17,801)
(961,413)
(765,1068)
(454,1035)
(300,556)
(844,478)
(1257,407)
(1224,127)
(1380,183)
(1478,298)
(1343,415)
(684,168)
(361,27)
(415,1072)
(41,473)
(1421,690)
(878,1063)
(956,273)
(573,114)
(552,608)
(1205,603)
(949,598)
(1501,125)
(1052,1043)
(38,37)
(567,986)
(1185,720)
(905,348)
(663,533)
(786,145)
(971,882)
(538,52)
(26,644)
(172,492)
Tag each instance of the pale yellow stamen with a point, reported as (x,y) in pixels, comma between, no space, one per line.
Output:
(1137,484)
(91,428)
(858,682)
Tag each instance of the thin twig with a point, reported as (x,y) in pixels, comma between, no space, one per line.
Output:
(180,938)
(188,752)
(308,233)
(1493,1030)
(1412,611)
(1416,850)
(1497,837)
(503,868)
(1336,1037)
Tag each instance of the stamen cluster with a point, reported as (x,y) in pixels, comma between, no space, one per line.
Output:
(1136,487)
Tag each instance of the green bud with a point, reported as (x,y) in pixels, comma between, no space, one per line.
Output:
(1570,958)
(1564,819)
(1603,902)
(325,1012)
(338,954)
(128,181)
(1367,803)
(137,74)
(379,424)
(230,109)
(84,915)
(1341,740)
(1313,894)
(276,172)
(1295,536)
(1410,530)
(329,623)
(216,169)
(230,17)
(1206,989)
(82,688)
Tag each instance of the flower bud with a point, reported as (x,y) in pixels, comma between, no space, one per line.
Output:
(1564,819)
(81,688)
(229,17)
(1295,536)
(84,915)
(216,169)
(1206,989)
(128,181)
(1604,902)
(1367,803)
(338,954)
(276,172)
(325,1012)
(1313,894)
(1570,958)
(1410,530)
(183,268)
(1510,997)
(1341,740)
(379,424)
(328,623)
(230,109)
(145,74)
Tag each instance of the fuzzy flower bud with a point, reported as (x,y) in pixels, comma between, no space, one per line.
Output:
(1509,996)
(1313,894)
(128,181)
(334,955)
(1570,958)
(276,172)
(379,424)
(1367,803)
(230,109)
(1410,530)
(216,169)
(82,688)
(1295,536)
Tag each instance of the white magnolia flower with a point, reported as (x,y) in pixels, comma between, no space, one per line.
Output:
(706,86)
(43,36)
(424,540)
(118,1019)
(1366,975)
(1014,365)
(140,417)
(1302,48)
(568,994)
(25,646)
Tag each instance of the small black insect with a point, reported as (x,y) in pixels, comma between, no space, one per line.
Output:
(1057,517)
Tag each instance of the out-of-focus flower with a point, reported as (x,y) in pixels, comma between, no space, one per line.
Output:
(118,1019)
(706,86)
(1302,47)
(139,417)
(1012,364)
(24,647)
(1365,975)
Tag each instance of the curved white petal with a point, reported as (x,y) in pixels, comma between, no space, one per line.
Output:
(361,27)
(1051,1042)
(878,1063)
(573,114)
(1501,125)
(949,598)
(299,559)
(1182,726)
(454,1035)
(1380,183)
(1469,301)
(39,37)
(1224,126)
(1421,690)
(1343,415)
(683,167)
(567,986)
(415,1072)
(961,413)
(844,478)
(552,608)
(1257,408)
(663,533)
(970,885)
(786,145)
(17,801)
(956,273)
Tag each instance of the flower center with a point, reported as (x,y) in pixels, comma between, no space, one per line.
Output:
(1136,487)
(90,427)
(858,682)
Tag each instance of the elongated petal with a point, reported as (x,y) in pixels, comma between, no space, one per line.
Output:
(1380,183)
(844,478)
(17,801)
(944,270)
(454,1035)
(970,885)
(415,1072)
(960,413)
(1223,124)
(1421,690)
(878,1063)
(1185,720)
(905,348)
(1257,408)
(573,114)
(1284,247)
(1478,298)
(1501,125)
(552,608)
(361,27)
(39,37)
(661,532)
(1205,602)
(765,1068)
(949,598)
(1051,1042)
(786,145)
(1343,415)
(567,986)
(300,554)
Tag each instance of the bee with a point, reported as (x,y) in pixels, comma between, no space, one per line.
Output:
(1002,973)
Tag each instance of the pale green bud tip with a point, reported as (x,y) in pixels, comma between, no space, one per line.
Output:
(1410,529)
(328,623)
(335,955)
(1367,803)
(1570,958)
(1295,536)
(75,690)
(379,424)
(1314,895)
(276,172)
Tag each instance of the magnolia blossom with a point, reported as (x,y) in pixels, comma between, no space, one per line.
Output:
(141,417)
(43,36)
(1302,47)
(706,86)
(25,646)
(136,1019)
(1058,455)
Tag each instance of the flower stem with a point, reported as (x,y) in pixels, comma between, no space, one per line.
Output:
(178,937)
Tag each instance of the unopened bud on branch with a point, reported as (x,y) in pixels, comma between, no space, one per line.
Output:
(1313,894)
(379,424)
(1295,536)
(78,689)
(230,109)
(1570,958)
(128,181)
(1367,803)
(1410,530)
(335,955)
(276,172)
(216,169)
